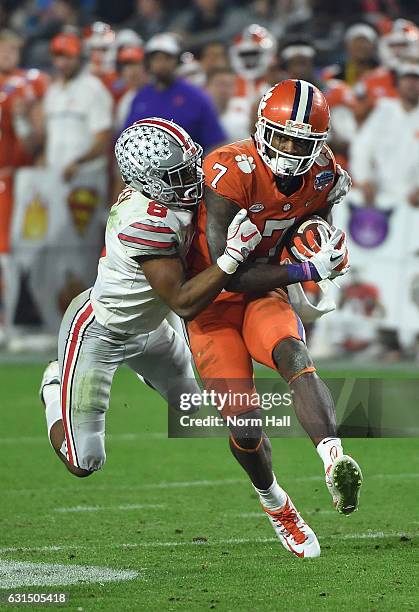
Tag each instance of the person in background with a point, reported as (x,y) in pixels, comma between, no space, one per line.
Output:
(150,18)
(400,45)
(298,61)
(131,71)
(384,164)
(360,55)
(212,55)
(251,54)
(170,97)
(233,112)
(77,113)
(207,21)
(20,91)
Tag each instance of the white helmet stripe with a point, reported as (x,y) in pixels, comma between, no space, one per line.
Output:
(304,98)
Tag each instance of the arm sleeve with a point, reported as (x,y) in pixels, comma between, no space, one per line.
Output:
(223,176)
(148,237)
(100,112)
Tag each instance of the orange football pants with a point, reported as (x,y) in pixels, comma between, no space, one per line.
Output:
(228,334)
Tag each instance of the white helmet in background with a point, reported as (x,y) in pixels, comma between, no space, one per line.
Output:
(252,52)
(159,159)
(400,45)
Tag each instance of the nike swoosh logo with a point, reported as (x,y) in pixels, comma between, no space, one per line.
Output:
(335,258)
(247,238)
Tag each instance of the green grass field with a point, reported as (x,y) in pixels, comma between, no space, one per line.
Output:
(182,516)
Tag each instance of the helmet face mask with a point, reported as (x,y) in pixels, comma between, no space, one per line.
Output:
(159,159)
(296,111)
(252,52)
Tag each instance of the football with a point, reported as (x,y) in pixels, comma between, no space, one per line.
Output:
(303,240)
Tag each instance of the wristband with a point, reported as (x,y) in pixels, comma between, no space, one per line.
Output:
(22,127)
(227,263)
(299,273)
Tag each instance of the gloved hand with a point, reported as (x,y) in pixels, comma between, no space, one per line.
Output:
(331,252)
(342,187)
(242,238)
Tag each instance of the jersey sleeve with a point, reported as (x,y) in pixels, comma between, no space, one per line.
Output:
(228,173)
(149,237)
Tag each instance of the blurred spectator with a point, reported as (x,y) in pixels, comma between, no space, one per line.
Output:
(385,152)
(190,69)
(298,60)
(170,97)
(19,91)
(59,14)
(212,55)
(251,54)
(131,71)
(360,54)
(399,45)
(77,113)
(150,18)
(208,21)
(233,112)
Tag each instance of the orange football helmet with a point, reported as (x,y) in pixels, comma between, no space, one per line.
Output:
(292,109)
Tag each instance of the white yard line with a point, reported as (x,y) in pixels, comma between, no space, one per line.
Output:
(374,535)
(111,508)
(15,574)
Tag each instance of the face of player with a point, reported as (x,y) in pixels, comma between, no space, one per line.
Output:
(9,56)
(162,66)
(409,89)
(67,66)
(360,49)
(290,145)
(300,67)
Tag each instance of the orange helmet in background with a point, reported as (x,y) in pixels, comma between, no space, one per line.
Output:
(294,109)
(66,43)
(252,52)
(399,45)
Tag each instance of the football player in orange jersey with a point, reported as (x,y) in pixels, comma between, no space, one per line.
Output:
(282,174)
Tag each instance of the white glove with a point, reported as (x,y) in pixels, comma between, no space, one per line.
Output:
(242,238)
(342,187)
(328,257)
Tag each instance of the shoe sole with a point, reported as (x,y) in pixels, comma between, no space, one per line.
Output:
(347,480)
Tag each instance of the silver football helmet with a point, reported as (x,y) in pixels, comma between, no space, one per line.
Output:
(158,158)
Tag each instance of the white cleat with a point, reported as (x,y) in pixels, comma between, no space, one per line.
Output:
(293,532)
(51,376)
(344,480)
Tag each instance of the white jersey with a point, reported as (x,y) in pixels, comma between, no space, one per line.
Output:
(122,299)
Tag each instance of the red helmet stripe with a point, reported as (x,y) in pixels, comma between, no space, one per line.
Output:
(170,128)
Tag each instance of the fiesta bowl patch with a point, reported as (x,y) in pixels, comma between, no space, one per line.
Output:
(323,179)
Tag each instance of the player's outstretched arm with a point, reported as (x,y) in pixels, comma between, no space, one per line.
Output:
(259,277)
(187,298)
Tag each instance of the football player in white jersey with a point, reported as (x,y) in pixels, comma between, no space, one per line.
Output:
(122,319)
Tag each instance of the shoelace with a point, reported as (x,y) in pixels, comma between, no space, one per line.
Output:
(289,520)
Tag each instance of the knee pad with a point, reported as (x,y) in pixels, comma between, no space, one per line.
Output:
(292,359)
(246,445)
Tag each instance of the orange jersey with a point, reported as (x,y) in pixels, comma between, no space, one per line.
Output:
(379,83)
(238,173)
(114,84)
(29,85)
(338,93)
